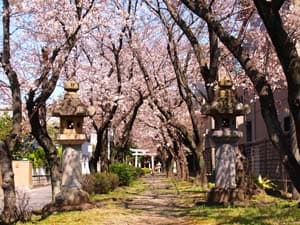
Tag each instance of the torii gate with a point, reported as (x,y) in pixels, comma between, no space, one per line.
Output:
(142,152)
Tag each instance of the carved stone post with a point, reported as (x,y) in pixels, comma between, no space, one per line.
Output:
(224,108)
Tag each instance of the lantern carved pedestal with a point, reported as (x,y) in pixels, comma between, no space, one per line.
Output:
(71,112)
(71,192)
(224,109)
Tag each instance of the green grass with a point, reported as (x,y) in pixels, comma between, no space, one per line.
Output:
(90,217)
(261,210)
(286,213)
(96,215)
(263,215)
(135,187)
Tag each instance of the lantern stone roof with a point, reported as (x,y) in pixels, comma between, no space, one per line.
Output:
(71,104)
(225,101)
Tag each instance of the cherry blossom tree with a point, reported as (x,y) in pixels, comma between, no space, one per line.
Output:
(126,122)
(183,66)
(289,60)
(162,90)
(8,215)
(110,88)
(53,58)
(43,40)
(105,71)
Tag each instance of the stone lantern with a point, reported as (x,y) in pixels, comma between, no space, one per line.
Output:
(224,109)
(71,113)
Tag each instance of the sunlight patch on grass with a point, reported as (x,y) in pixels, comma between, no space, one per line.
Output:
(90,217)
(74,218)
(121,192)
(280,212)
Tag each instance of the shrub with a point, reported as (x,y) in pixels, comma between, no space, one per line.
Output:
(265,183)
(105,182)
(100,183)
(146,170)
(38,157)
(123,172)
(138,172)
(88,183)
(114,180)
(126,173)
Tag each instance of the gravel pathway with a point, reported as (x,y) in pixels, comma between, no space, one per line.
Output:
(158,205)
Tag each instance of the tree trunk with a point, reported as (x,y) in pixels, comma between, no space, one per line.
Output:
(104,161)
(198,169)
(97,153)
(168,163)
(178,167)
(183,164)
(55,173)
(39,131)
(93,163)
(184,170)
(202,177)
(54,163)
(6,148)
(200,172)
(8,185)
(192,164)
(202,164)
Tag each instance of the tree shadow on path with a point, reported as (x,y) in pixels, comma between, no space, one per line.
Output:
(161,203)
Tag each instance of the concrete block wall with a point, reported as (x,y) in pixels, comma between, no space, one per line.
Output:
(23,174)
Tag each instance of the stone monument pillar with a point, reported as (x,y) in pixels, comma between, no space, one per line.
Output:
(224,108)
(71,113)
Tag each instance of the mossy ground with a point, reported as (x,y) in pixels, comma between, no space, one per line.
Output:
(157,200)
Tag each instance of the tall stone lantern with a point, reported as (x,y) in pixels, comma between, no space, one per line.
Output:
(71,113)
(224,109)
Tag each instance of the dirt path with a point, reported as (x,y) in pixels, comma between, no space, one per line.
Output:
(160,204)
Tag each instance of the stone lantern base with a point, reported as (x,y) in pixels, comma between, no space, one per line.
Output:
(222,196)
(67,200)
(71,197)
(71,190)
(226,191)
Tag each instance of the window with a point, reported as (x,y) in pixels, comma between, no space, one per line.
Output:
(70,124)
(225,123)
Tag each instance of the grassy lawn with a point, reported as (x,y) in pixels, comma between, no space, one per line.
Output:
(276,212)
(122,192)
(94,216)
(262,209)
